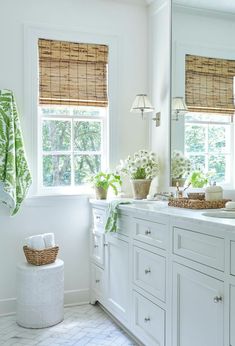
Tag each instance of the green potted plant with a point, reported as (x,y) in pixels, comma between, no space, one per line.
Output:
(199,179)
(141,168)
(102,181)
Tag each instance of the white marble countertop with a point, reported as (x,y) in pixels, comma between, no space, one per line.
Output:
(153,208)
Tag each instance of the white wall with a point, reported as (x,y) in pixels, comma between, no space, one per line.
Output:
(159,75)
(68,217)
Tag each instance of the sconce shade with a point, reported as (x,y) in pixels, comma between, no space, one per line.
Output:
(142,104)
(179,105)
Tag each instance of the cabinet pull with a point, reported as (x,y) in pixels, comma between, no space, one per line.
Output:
(106,244)
(147,232)
(147,271)
(147,319)
(218,299)
(95,246)
(97,281)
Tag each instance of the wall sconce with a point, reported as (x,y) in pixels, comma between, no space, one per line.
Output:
(143,105)
(179,107)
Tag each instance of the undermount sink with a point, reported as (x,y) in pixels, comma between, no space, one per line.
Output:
(220,214)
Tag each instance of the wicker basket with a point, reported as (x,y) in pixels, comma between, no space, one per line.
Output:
(41,257)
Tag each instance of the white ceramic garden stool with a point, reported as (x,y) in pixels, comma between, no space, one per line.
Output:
(40,295)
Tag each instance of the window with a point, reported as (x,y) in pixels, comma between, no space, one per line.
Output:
(209,144)
(73,112)
(209,95)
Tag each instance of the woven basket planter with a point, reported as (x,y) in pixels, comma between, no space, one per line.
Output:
(41,257)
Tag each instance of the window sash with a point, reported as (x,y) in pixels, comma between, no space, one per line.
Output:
(102,118)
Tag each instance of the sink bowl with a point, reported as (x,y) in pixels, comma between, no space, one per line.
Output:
(220,214)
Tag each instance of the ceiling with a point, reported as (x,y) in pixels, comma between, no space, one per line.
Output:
(215,5)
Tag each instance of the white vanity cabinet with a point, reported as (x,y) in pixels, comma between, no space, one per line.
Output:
(232,315)
(117,275)
(198,308)
(170,280)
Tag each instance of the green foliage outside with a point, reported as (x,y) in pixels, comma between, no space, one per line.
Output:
(200,152)
(57,167)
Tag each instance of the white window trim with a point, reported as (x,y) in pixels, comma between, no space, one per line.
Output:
(31,35)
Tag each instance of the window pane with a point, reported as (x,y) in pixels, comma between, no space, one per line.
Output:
(198,162)
(84,166)
(86,111)
(56,135)
(207,118)
(56,170)
(55,110)
(217,164)
(87,135)
(217,138)
(195,136)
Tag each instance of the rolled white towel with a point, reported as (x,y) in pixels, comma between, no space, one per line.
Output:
(49,239)
(36,242)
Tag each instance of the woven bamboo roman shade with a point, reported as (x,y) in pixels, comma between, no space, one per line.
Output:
(209,84)
(72,73)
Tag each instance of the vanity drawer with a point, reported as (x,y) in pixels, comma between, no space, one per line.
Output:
(97,247)
(149,321)
(152,233)
(199,247)
(232,257)
(97,280)
(150,272)
(99,218)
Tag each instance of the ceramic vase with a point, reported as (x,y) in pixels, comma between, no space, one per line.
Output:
(140,188)
(100,193)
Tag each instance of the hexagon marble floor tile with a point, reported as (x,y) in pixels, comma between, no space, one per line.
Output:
(82,325)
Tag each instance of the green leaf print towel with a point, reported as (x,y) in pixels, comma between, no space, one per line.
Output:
(15,177)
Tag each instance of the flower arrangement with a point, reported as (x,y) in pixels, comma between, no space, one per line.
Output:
(180,165)
(142,165)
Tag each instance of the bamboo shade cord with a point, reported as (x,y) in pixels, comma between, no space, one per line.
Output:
(72,73)
(209,84)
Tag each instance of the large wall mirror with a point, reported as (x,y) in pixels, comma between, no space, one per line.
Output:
(203,80)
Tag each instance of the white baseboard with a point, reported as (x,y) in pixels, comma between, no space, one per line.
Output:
(71,298)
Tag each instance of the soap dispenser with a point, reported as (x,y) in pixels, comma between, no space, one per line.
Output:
(213,193)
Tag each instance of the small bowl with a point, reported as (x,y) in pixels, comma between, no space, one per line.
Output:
(230,205)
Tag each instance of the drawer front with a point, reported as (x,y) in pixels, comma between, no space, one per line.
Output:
(232,257)
(97,280)
(152,233)
(149,321)
(199,247)
(99,218)
(150,272)
(97,248)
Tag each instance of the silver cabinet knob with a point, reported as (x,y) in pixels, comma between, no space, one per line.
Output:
(106,244)
(95,246)
(147,271)
(97,281)
(98,217)
(147,232)
(147,319)
(218,299)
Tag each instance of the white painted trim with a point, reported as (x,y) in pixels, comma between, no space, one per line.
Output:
(71,298)
(31,34)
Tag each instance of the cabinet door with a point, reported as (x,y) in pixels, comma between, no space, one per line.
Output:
(117,256)
(232,315)
(197,308)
